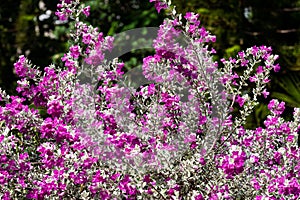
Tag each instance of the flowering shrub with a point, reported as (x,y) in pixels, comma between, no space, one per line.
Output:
(62,139)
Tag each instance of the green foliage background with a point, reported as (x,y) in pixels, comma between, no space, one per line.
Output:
(238,24)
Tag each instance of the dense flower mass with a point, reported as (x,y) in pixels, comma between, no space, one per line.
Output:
(79,132)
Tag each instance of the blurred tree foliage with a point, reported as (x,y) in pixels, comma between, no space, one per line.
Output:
(30,27)
(24,31)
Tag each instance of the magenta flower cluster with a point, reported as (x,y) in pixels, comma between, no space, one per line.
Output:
(61,140)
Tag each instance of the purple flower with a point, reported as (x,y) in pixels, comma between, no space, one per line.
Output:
(151,89)
(20,66)
(86,38)
(265,93)
(97,178)
(276,107)
(240,100)
(192,17)
(75,51)
(61,16)
(276,68)
(253,78)
(271,104)
(241,54)
(6,196)
(86,11)
(258,197)
(55,108)
(255,50)
(259,70)
(159,5)
(199,197)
